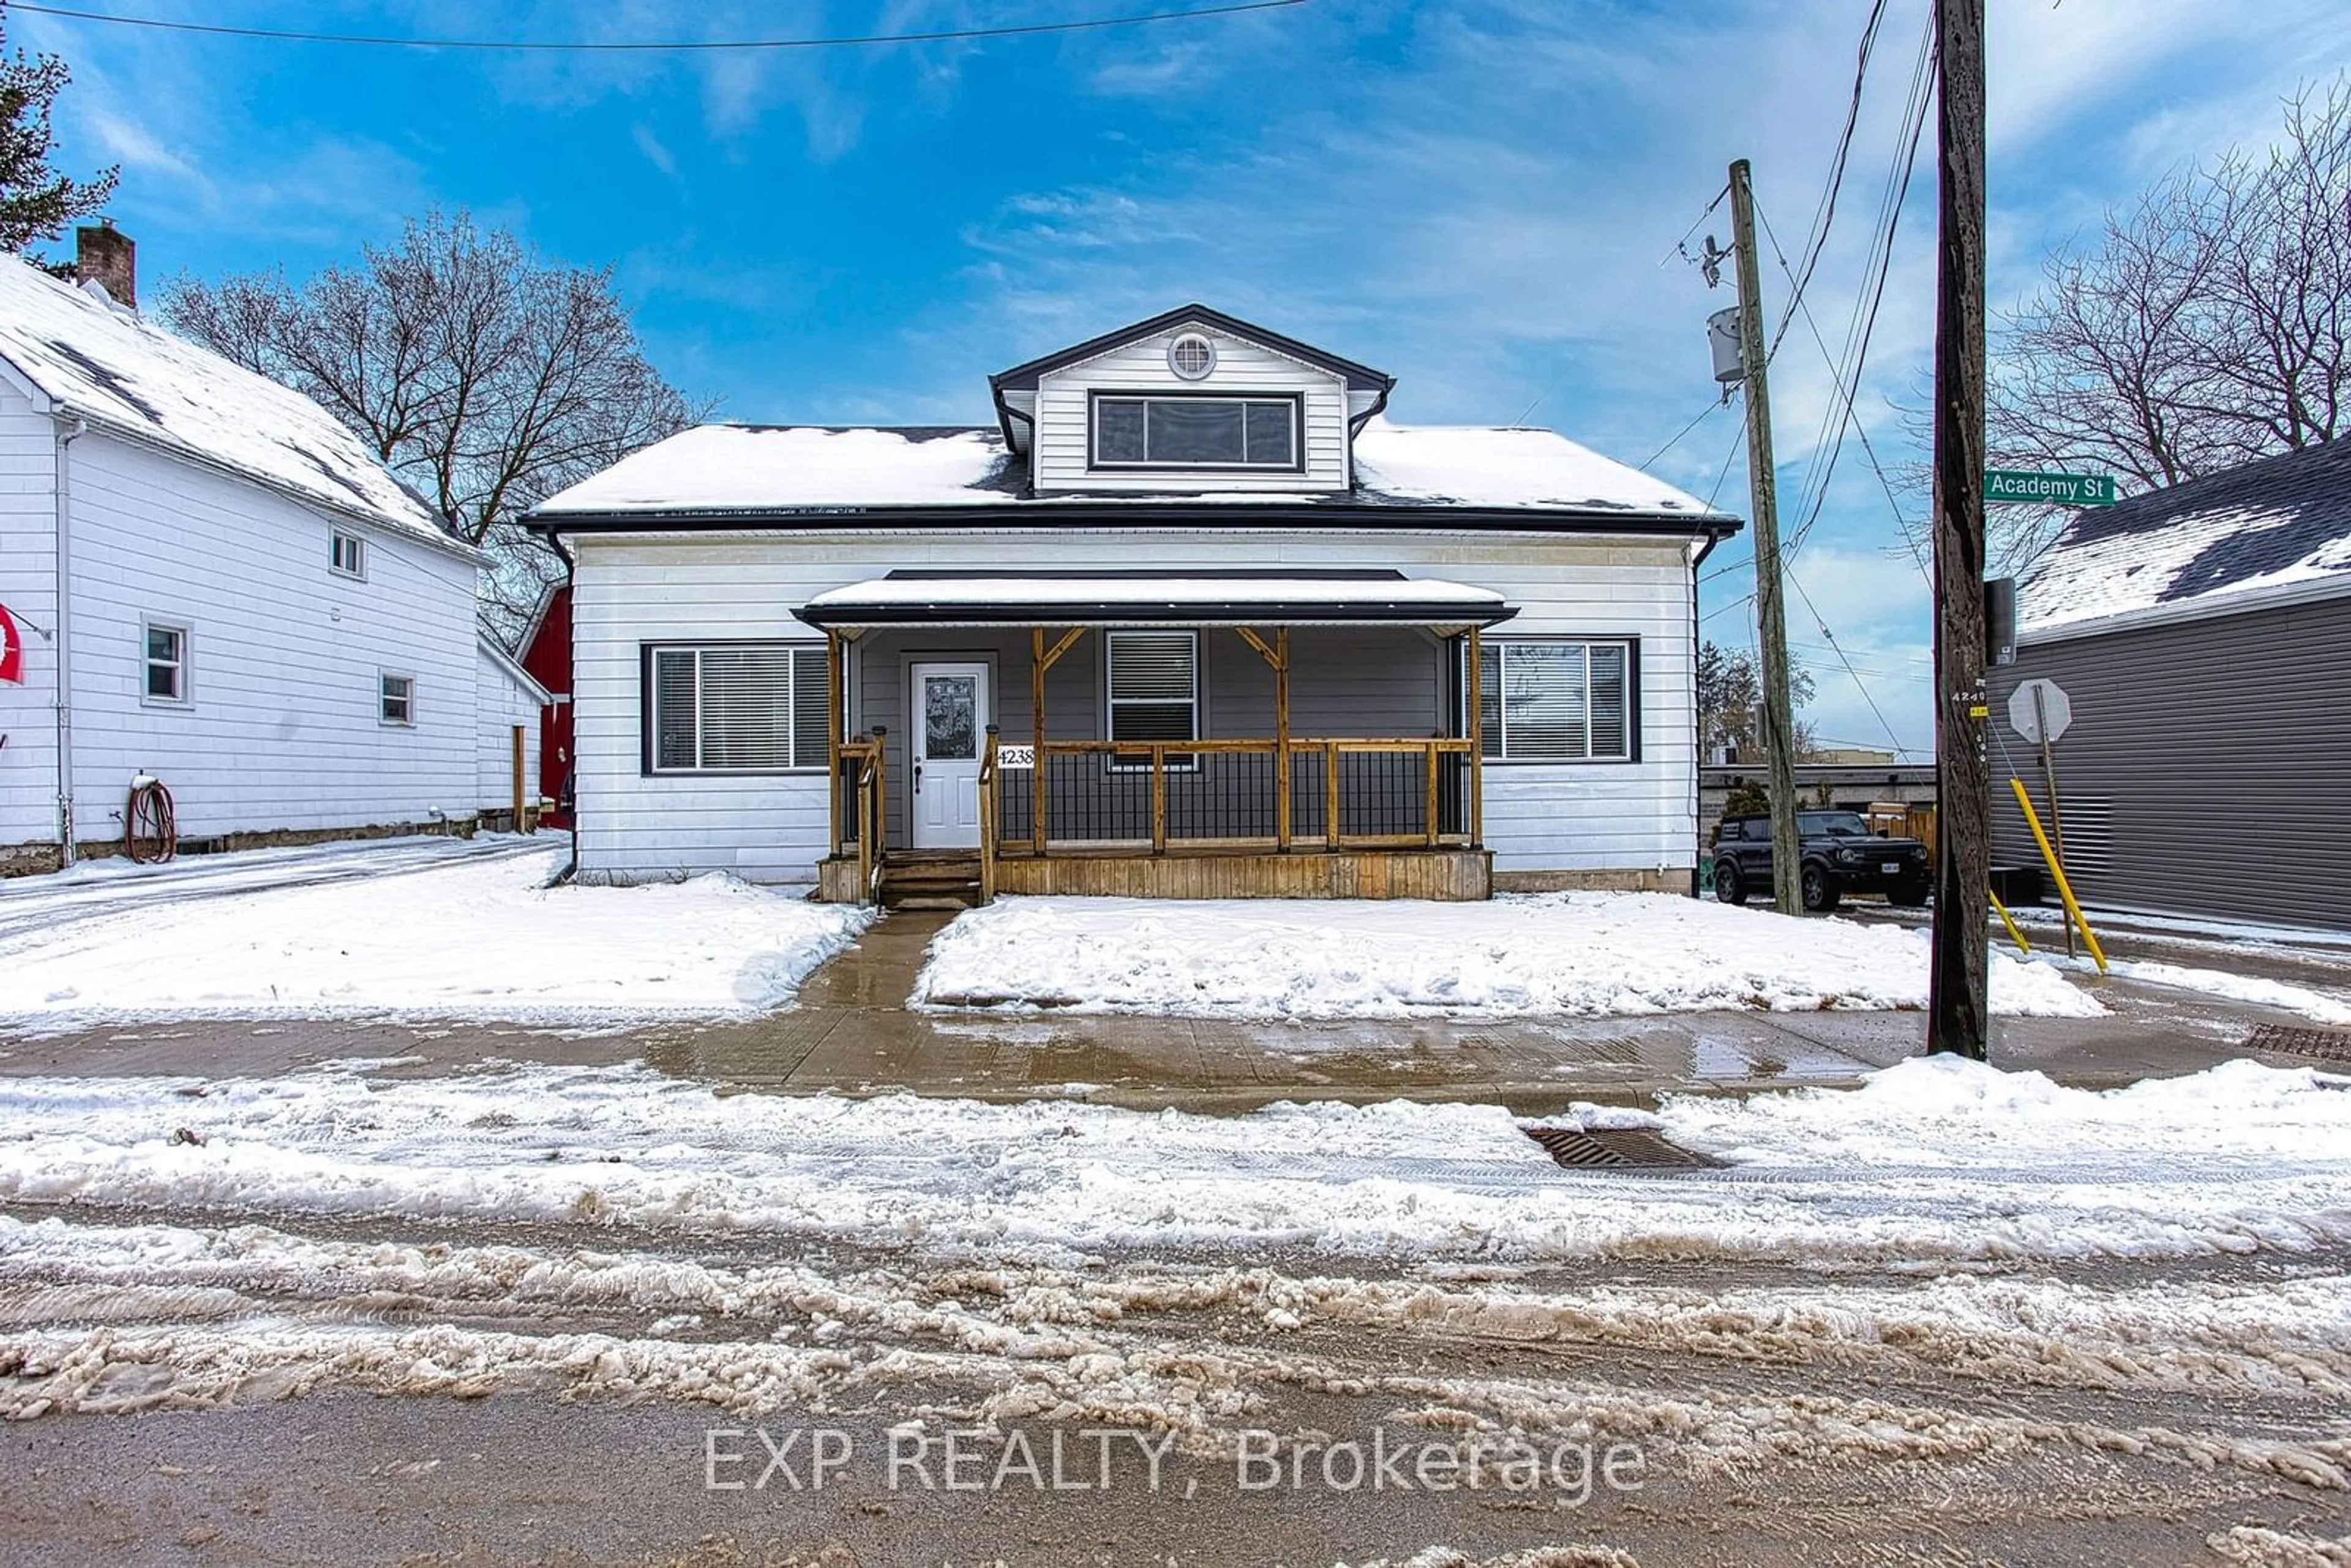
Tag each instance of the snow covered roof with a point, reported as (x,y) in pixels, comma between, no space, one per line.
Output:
(133,379)
(751,472)
(2278,528)
(1143,598)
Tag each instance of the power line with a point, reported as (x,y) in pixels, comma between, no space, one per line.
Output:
(1825,214)
(1233,7)
(1737,439)
(1879,257)
(1712,407)
(1858,684)
(1846,378)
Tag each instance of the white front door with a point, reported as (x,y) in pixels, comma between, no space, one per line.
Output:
(951,710)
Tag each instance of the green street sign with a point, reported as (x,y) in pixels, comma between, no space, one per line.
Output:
(2049,489)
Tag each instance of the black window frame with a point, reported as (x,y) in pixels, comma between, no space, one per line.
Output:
(649,735)
(1473,727)
(1096,397)
(1177,762)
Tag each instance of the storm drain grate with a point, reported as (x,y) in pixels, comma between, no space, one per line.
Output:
(1615,1148)
(2328,1044)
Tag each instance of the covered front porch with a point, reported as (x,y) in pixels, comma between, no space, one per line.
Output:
(1186,735)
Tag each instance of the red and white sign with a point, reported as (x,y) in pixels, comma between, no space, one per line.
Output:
(12,648)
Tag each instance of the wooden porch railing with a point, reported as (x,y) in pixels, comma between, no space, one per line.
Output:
(1327,793)
(860,770)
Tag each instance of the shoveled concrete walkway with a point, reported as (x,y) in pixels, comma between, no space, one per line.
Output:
(851,1034)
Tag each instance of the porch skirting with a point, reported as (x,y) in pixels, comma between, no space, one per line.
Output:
(1445,874)
(1452,874)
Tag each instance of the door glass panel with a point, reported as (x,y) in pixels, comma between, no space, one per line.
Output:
(950,718)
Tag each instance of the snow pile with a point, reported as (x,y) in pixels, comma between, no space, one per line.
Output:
(1933,1162)
(481,937)
(1583,954)
(2316,1006)
(1946,1113)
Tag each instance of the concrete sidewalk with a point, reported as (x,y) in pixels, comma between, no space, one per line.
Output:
(851,1034)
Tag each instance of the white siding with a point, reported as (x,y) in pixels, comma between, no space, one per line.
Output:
(1637,816)
(1141,365)
(28,761)
(501,705)
(282,728)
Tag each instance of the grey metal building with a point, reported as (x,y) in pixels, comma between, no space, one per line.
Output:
(2201,636)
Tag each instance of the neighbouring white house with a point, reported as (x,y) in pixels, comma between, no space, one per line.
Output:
(1190,619)
(217,585)
(509,711)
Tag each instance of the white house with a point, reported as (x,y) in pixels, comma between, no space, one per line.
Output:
(506,734)
(1191,618)
(216,585)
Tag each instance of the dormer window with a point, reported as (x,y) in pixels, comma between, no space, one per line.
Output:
(1195,430)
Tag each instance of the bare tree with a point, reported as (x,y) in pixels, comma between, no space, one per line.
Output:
(2208,324)
(1730,702)
(486,379)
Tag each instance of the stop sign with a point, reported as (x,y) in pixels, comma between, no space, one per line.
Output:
(2024,716)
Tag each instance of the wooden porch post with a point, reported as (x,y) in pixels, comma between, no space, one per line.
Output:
(833,727)
(1276,658)
(1331,795)
(1042,659)
(1037,740)
(1474,724)
(1282,739)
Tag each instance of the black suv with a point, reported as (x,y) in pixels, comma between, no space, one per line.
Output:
(1841,856)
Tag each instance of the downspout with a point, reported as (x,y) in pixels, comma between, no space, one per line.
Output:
(1697,723)
(68,432)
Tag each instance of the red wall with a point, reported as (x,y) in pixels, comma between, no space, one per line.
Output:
(548,660)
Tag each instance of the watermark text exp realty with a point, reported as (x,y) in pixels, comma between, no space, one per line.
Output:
(1092,1459)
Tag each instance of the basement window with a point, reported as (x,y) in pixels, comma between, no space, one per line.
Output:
(1197,431)
(742,707)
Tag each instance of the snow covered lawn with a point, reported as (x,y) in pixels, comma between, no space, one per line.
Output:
(1934,1162)
(1579,954)
(459,937)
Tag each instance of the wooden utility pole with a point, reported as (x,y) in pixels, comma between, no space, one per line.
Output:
(1770,612)
(1956,1005)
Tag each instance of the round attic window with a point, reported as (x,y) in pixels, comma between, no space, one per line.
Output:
(1192,357)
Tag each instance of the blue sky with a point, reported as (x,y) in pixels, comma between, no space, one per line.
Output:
(1482,199)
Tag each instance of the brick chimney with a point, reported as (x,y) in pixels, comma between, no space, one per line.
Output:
(105,255)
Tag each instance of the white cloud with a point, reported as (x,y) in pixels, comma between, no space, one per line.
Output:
(656,153)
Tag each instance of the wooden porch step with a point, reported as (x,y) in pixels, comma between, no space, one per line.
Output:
(932,881)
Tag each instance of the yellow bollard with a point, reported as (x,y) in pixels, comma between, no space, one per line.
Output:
(2009,921)
(2065,888)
